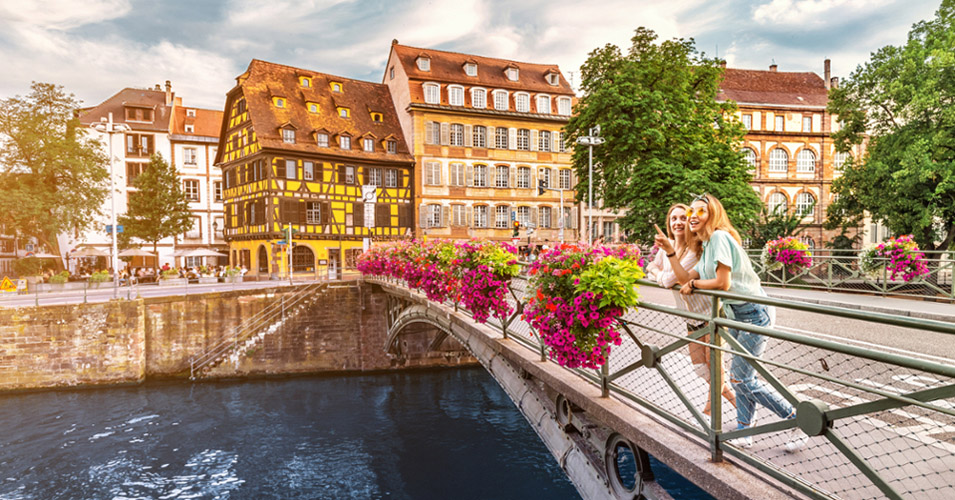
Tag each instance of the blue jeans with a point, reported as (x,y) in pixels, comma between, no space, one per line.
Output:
(743,377)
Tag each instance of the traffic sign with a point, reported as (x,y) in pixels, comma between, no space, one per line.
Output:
(7,285)
(109,228)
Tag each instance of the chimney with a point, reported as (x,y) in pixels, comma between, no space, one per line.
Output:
(828,74)
(168,93)
(834,82)
(772,67)
(723,63)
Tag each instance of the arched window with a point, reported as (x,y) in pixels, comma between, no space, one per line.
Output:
(838,160)
(432,93)
(804,204)
(263,258)
(806,161)
(778,160)
(808,241)
(777,203)
(303,259)
(750,156)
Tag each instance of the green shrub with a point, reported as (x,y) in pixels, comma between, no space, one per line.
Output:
(60,278)
(170,274)
(99,277)
(232,271)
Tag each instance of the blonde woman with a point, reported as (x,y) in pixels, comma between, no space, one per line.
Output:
(723,265)
(675,253)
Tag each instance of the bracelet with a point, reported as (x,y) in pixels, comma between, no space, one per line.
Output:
(671,254)
(692,285)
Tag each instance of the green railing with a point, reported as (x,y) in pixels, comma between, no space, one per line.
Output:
(838,270)
(882,423)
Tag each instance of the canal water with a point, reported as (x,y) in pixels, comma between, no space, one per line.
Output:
(413,435)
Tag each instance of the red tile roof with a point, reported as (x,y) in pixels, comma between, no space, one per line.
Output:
(154,99)
(448,67)
(746,86)
(264,80)
(206,122)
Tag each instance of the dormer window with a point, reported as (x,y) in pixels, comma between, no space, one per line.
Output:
(512,74)
(456,95)
(563,106)
(368,144)
(500,100)
(392,147)
(344,142)
(321,139)
(288,135)
(543,104)
(336,87)
(553,79)
(191,113)
(432,93)
(312,107)
(424,63)
(139,114)
(344,112)
(190,129)
(305,81)
(470,69)
(522,102)
(279,102)
(478,98)
(377,117)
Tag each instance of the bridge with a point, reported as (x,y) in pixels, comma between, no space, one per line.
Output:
(879,423)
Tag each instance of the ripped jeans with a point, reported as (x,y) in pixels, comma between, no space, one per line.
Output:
(749,389)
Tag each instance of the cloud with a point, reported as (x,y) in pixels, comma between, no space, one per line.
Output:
(61,14)
(813,12)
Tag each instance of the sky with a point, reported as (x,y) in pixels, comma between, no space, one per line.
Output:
(94,48)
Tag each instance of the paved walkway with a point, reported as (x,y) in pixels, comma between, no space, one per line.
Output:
(916,308)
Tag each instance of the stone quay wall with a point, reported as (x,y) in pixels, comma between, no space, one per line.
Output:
(342,329)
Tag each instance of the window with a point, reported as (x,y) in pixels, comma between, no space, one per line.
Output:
(312,107)
(391,73)
(522,102)
(512,74)
(219,226)
(808,241)
(563,106)
(279,102)
(305,81)
(480,176)
(374,176)
(470,69)
(457,134)
(480,216)
(749,156)
(501,216)
(545,215)
(344,142)
(524,215)
(543,104)
(313,212)
(433,217)
(839,160)
(291,169)
(391,178)
(543,141)
(564,178)
(456,95)
(457,215)
(349,175)
(432,133)
(139,145)
(392,147)
(804,204)
(336,87)
(217,191)
(478,98)
(780,124)
(195,232)
(500,138)
(523,139)
(607,232)
(500,100)
(553,79)
(501,176)
(523,177)
(432,173)
(806,161)
(432,93)
(424,64)
(561,147)
(288,135)
(567,221)
(368,145)
(806,123)
(190,129)
(778,160)
(479,139)
(189,156)
(748,122)
(777,203)
(457,174)
(543,177)
(191,188)
(322,140)
(308,171)
(133,170)
(141,114)
(344,112)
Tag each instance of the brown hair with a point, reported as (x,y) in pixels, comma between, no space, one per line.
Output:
(689,240)
(718,220)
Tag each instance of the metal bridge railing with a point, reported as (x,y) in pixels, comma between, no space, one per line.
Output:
(838,270)
(883,424)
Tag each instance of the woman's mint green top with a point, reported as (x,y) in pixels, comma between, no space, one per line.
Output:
(723,248)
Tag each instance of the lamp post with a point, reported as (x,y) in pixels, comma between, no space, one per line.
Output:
(106,126)
(590,141)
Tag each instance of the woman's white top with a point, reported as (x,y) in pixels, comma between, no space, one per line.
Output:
(666,278)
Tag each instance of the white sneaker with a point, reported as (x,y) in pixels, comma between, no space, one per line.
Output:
(797,440)
(745,441)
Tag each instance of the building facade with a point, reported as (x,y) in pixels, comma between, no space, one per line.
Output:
(317,153)
(788,142)
(486,135)
(158,124)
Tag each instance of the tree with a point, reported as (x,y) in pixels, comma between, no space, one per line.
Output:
(773,225)
(53,173)
(904,98)
(666,134)
(158,208)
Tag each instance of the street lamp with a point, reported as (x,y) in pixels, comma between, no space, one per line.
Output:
(590,141)
(109,128)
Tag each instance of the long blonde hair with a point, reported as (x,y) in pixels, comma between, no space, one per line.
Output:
(718,220)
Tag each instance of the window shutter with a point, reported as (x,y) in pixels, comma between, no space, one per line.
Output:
(405,215)
(513,177)
(280,169)
(573,179)
(491,138)
(555,138)
(358,214)
(573,218)
(423,216)
(534,140)
(341,174)
(445,134)
(555,216)
(468,130)
(429,133)
(512,138)
(533,211)
(438,181)
(302,212)
(470,175)
(446,216)
(533,178)
(361,176)
(326,213)
(469,216)
(404,178)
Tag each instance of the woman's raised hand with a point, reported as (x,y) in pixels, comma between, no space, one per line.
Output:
(662,241)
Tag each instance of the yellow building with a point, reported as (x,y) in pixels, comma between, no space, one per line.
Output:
(486,134)
(321,154)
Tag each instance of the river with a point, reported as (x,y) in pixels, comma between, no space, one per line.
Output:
(408,435)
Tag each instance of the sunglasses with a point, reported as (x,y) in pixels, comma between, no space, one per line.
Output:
(698,212)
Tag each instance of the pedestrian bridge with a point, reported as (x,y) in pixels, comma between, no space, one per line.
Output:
(881,423)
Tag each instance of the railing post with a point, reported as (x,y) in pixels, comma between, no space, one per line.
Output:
(605,375)
(885,279)
(716,384)
(829,274)
(85,287)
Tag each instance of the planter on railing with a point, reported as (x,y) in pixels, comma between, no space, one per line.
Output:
(787,253)
(894,259)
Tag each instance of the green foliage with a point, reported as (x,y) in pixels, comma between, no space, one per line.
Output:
(773,225)
(99,277)
(30,266)
(499,261)
(231,271)
(666,135)
(169,274)
(53,173)
(903,97)
(158,209)
(615,278)
(60,278)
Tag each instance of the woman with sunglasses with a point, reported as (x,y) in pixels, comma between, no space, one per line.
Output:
(723,265)
(675,252)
